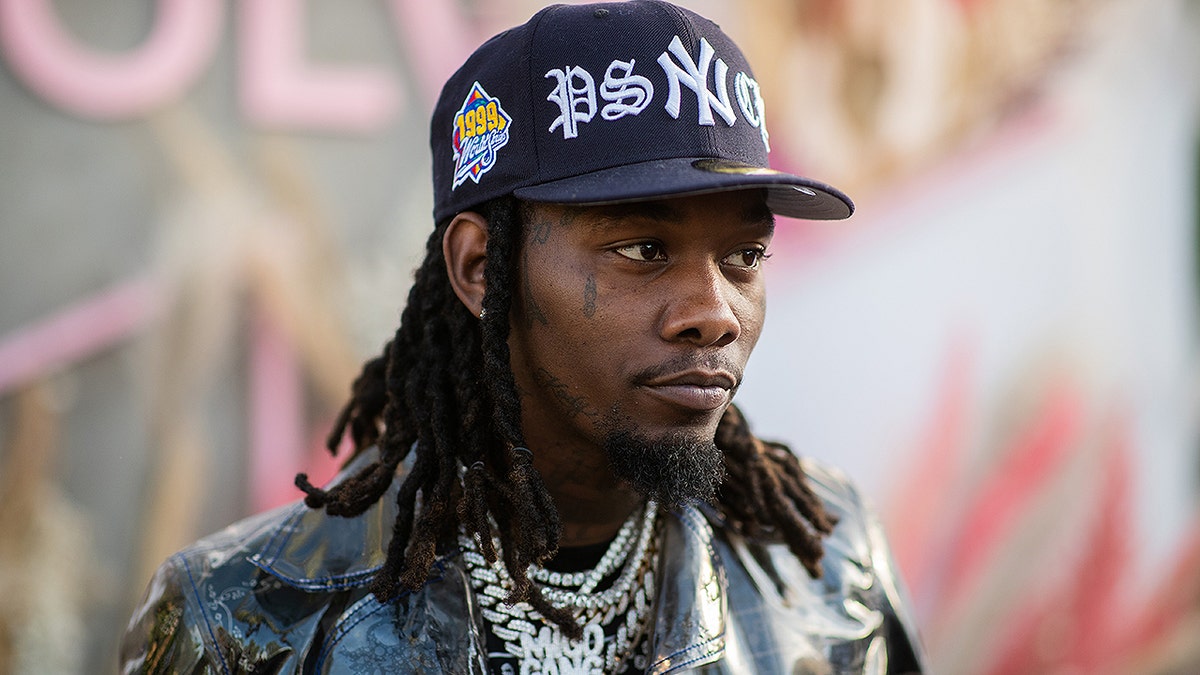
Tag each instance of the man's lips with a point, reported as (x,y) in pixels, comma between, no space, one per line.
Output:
(698,390)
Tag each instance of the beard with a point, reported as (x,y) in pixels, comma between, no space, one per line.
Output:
(673,469)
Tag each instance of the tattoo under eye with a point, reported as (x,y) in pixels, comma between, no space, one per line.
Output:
(589,297)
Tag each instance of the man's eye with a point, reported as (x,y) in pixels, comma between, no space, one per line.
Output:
(643,252)
(747,258)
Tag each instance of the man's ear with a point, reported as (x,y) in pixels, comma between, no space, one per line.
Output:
(465,248)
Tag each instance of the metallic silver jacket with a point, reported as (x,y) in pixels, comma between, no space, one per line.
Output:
(285,592)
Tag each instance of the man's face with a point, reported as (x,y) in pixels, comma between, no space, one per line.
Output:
(631,328)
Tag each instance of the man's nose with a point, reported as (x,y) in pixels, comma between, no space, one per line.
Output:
(700,309)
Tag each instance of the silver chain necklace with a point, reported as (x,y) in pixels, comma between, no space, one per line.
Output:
(540,646)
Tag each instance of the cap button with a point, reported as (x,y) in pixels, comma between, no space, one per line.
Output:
(600,13)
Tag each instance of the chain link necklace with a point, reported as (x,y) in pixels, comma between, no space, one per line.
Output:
(539,646)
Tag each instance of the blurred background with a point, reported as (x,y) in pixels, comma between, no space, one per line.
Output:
(209,214)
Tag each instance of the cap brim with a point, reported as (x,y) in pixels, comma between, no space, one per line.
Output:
(787,194)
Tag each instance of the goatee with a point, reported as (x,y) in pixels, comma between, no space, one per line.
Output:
(673,469)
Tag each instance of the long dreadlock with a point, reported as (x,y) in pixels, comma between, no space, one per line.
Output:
(443,388)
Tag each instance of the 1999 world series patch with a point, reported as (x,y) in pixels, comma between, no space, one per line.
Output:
(480,129)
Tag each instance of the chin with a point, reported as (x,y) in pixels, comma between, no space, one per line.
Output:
(673,468)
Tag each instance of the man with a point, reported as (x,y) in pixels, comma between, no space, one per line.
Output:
(550,476)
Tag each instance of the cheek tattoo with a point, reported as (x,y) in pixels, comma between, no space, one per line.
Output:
(589,297)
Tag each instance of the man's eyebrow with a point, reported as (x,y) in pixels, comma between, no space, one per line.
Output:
(759,213)
(652,210)
(754,214)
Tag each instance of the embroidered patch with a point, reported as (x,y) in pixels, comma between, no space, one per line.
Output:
(480,129)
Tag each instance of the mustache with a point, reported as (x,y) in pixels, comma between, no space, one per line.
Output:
(691,361)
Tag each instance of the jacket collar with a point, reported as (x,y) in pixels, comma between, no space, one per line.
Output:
(312,550)
(690,626)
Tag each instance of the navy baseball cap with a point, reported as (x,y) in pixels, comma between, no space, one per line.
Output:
(608,103)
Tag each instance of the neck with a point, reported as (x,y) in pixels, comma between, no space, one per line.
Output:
(592,502)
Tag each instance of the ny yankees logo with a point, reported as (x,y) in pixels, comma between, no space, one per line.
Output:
(695,77)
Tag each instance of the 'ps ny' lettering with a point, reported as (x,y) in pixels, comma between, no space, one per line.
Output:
(628,94)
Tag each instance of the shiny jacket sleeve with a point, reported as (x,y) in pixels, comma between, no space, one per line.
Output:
(859,558)
(905,652)
(163,636)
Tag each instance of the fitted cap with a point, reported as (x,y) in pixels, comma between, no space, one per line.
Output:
(608,103)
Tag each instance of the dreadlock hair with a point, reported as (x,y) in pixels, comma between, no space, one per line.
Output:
(443,389)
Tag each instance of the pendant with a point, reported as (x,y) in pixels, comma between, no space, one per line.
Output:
(552,653)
